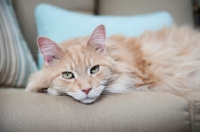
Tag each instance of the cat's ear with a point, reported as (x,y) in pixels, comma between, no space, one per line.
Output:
(97,39)
(50,50)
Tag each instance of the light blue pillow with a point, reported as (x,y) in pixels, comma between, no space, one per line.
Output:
(60,24)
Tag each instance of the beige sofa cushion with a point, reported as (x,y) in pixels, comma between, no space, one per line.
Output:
(181,10)
(25,13)
(145,111)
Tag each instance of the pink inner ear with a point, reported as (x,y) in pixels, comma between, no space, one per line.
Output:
(49,49)
(100,47)
(97,39)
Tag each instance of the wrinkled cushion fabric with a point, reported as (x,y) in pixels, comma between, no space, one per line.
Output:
(16,62)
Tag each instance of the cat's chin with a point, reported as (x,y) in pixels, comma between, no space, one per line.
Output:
(88,100)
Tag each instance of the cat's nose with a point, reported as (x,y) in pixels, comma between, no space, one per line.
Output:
(86,91)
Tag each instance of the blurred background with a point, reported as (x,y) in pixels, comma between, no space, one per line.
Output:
(184,12)
(196,13)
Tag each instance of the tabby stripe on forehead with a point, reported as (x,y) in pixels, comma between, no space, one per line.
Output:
(73,58)
(70,56)
(85,56)
(78,58)
(90,61)
(81,57)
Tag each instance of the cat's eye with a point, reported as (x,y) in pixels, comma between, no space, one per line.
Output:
(94,69)
(68,75)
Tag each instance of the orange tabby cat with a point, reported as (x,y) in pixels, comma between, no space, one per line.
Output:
(84,68)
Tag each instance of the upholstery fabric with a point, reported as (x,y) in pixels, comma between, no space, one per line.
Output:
(181,10)
(16,62)
(25,14)
(71,24)
(193,99)
(137,111)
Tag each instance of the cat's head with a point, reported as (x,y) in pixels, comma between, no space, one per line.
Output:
(80,68)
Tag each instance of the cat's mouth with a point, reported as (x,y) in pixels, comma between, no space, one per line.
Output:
(91,97)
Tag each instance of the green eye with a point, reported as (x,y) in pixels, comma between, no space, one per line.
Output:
(94,69)
(68,75)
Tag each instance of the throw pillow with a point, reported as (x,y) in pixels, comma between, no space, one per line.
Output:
(60,24)
(16,62)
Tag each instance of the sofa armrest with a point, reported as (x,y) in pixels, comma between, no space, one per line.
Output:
(193,99)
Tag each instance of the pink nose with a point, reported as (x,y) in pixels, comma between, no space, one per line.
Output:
(86,90)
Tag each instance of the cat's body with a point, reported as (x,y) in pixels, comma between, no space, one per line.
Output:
(166,60)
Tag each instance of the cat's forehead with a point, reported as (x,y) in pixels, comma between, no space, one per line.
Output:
(77,55)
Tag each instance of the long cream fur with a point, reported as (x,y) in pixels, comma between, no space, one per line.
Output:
(165,60)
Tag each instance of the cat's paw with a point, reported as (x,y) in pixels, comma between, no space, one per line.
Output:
(30,88)
(34,88)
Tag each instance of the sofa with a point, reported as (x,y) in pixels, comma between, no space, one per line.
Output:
(146,111)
